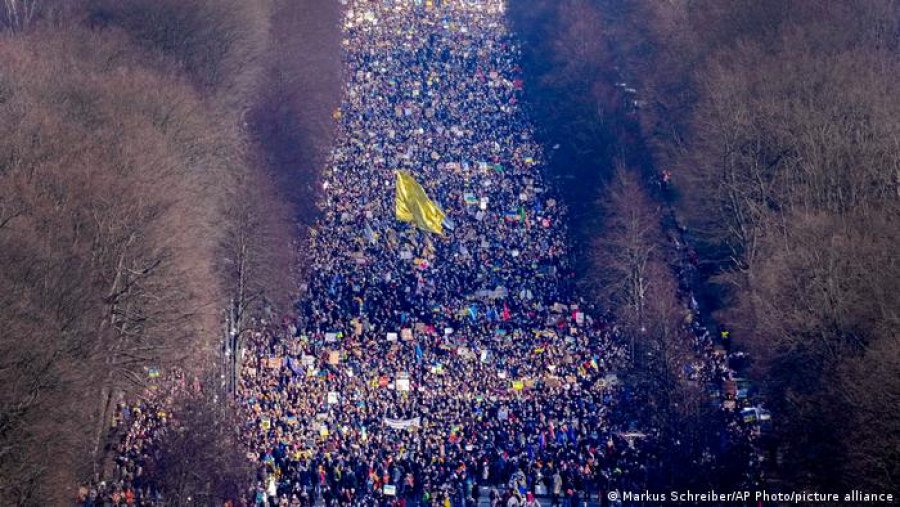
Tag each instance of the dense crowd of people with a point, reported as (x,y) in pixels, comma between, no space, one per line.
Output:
(431,369)
(425,368)
(136,429)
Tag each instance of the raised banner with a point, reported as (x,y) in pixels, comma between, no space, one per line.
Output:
(402,424)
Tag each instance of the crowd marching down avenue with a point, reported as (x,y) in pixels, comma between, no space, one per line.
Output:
(432,364)
(448,253)
(440,354)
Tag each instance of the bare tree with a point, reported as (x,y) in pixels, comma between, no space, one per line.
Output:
(200,459)
(258,257)
(630,240)
(18,15)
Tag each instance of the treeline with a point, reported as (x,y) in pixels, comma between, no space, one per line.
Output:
(137,211)
(778,122)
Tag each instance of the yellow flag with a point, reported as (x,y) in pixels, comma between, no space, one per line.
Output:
(413,205)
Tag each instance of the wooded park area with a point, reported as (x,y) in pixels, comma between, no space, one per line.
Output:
(138,206)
